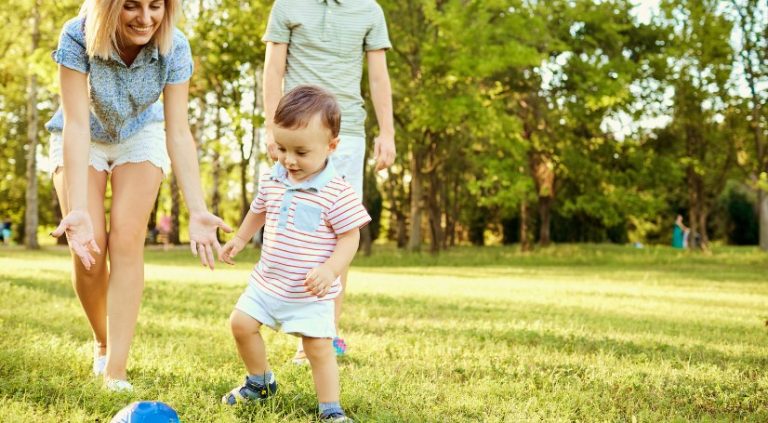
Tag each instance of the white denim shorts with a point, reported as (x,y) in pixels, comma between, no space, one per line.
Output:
(146,145)
(348,161)
(313,320)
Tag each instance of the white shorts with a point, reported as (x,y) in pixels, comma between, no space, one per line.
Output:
(313,320)
(147,145)
(348,161)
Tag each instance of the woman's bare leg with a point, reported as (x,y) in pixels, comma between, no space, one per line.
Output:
(91,285)
(134,190)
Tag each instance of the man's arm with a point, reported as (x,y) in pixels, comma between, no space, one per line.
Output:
(274,71)
(381,94)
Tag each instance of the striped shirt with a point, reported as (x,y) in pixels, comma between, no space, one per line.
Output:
(301,229)
(326,43)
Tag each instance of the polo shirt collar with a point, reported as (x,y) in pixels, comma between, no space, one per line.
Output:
(148,54)
(316,183)
(325,1)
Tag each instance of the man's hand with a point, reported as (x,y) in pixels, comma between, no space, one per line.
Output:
(78,227)
(202,236)
(271,146)
(319,280)
(384,151)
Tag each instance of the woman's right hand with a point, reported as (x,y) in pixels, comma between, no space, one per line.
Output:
(79,231)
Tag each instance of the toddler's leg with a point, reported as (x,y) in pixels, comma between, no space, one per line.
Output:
(325,373)
(249,342)
(260,382)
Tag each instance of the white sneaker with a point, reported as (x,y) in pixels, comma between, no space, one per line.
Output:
(300,358)
(117,385)
(99,364)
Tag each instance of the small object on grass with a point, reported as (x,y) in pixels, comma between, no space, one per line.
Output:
(146,412)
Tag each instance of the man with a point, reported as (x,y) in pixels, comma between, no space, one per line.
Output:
(322,42)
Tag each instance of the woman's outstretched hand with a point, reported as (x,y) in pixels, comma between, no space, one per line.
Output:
(79,231)
(202,236)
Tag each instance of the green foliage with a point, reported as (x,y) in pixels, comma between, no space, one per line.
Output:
(483,91)
(17,63)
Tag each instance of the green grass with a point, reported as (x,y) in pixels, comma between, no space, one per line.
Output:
(569,333)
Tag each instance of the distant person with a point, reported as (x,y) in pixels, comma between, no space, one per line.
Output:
(312,219)
(680,233)
(164,227)
(115,61)
(6,232)
(324,43)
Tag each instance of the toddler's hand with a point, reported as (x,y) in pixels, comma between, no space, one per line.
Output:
(319,280)
(230,249)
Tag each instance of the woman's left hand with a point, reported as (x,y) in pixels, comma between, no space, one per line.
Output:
(202,236)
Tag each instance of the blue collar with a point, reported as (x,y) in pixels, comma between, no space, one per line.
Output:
(316,183)
(148,54)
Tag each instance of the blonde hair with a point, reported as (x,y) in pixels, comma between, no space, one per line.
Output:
(101,18)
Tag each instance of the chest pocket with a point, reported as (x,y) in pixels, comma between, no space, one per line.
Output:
(307,217)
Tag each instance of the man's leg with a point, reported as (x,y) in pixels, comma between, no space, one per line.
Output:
(349,162)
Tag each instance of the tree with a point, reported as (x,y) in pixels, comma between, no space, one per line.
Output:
(31,214)
(751,18)
(699,74)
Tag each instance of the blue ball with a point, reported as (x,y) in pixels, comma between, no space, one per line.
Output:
(146,412)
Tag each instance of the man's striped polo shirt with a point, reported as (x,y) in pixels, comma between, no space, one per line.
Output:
(327,40)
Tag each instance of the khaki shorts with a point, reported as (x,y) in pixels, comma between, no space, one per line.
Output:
(348,161)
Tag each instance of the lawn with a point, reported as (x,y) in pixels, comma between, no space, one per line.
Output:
(569,333)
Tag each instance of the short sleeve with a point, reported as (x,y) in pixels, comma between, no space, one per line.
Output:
(71,52)
(377,37)
(180,62)
(278,27)
(259,204)
(348,212)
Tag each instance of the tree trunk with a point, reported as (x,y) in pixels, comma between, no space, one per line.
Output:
(754,58)
(435,221)
(216,165)
(398,227)
(152,222)
(31,212)
(452,212)
(545,207)
(525,239)
(762,212)
(543,173)
(704,236)
(174,237)
(62,240)
(433,200)
(414,242)
(245,159)
(693,206)
(365,240)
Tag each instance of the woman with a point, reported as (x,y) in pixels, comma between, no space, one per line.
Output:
(115,59)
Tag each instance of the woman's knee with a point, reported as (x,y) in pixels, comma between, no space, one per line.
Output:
(127,237)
